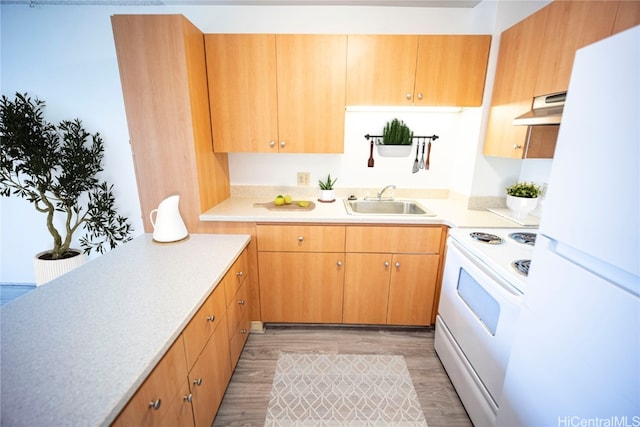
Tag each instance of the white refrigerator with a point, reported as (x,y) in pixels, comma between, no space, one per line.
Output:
(576,356)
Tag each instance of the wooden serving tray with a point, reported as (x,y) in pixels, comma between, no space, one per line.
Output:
(290,207)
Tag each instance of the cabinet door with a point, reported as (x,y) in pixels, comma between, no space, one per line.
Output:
(393,239)
(627,16)
(241,70)
(238,315)
(154,400)
(514,86)
(204,322)
(451,70)
(366,288)
(300,238)
(236,276)
(381,69)
(570,26)
(412,289)
(311,92)
(210,376)
(301,287)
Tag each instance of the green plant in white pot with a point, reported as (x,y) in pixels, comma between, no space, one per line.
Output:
(327,192)
(522,198)
(56,167)
(397,139)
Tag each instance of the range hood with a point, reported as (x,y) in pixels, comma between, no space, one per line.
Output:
(545,110)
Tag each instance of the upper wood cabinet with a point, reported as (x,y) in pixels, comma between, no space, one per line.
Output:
(570,25)
(277,93)
(535,58)
(164,85)
(438,70)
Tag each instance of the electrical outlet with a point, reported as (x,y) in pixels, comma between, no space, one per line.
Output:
(303,178)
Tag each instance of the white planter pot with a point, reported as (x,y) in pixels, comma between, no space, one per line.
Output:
(47,269)
(327,195)
(394,150)
(521,206)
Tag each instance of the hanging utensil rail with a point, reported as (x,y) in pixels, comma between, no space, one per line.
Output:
(378,138)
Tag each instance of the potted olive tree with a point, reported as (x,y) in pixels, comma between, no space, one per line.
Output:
(397,139)
(522,198)
(56,167)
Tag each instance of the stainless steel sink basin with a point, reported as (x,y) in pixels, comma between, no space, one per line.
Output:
(386,207)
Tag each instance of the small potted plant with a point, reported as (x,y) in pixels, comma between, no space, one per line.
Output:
(327,193)
(522,198)
(56,168)
(397,139)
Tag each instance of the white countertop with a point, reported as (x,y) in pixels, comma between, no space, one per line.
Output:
(448,212)
(76,349)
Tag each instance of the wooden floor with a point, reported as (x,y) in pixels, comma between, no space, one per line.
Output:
(245,402)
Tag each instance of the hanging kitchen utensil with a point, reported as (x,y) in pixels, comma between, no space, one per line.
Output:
(416,167)
(370,164)
(426,164)
(422,144)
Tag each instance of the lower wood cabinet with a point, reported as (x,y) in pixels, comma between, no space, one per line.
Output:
(187,386)
(359,274)
(301,287)
(209,377)
(160,400)
(393,289)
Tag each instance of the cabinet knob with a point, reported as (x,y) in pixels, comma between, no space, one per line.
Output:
(241,302)
(420,96)
(272,143)
(397,265)
(243,331)
(339,263)
(155,405)
(198,382)
(188,398)
(386,264)
(517,146)
(408,95)
(282,144)
(300,238)
(239,274)
(211,318)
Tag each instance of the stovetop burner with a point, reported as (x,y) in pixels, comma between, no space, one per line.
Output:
(524,237)
(522,266)
(491,239)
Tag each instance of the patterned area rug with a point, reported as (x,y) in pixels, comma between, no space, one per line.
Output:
(313,390)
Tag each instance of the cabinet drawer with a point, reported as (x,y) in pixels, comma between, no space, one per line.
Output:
(236,276)
(204,322)
(300,238)
(237,309)
(385,239)
(163,385)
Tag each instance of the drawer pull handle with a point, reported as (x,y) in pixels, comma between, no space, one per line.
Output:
(241,302)
(211,318)
(272,143)
(198,382)
(243,331)
(155,405)
(188,398)
(386,264)
(300,238)
(339,263)
(397,265)
(420,96)
(239,274)
(408,95)
(517,146)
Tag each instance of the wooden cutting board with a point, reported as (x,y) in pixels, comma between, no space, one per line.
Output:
(290,207)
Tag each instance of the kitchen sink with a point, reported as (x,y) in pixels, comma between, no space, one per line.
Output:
(386,207)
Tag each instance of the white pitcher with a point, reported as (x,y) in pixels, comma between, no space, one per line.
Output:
(168,225)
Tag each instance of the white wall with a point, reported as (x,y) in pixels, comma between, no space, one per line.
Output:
(65,56)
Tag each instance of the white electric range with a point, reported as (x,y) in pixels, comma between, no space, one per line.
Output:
(482,291)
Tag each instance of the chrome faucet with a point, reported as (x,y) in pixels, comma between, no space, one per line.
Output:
(385,189)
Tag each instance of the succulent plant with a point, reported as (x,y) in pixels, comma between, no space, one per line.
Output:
(328,184)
